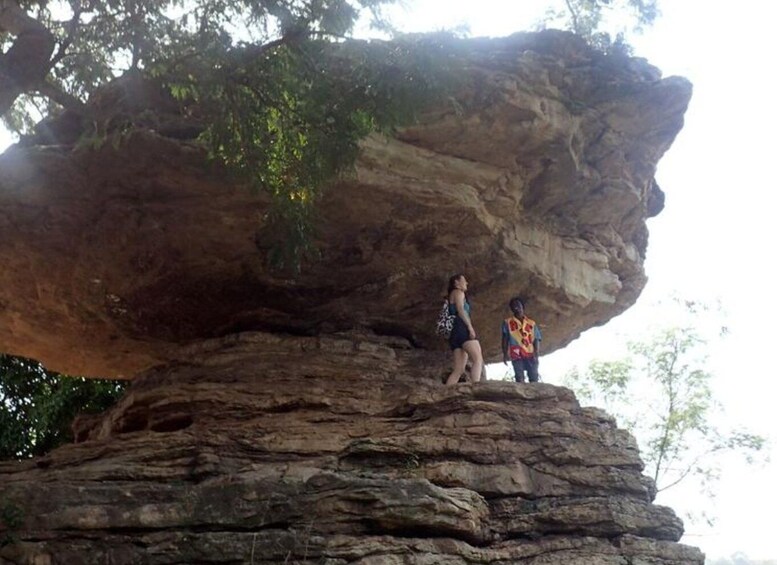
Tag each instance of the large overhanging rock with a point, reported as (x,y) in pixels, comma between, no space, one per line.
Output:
(115,259)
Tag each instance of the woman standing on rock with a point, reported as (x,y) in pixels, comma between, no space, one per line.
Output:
(463,339)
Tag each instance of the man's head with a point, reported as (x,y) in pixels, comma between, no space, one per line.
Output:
(516,306)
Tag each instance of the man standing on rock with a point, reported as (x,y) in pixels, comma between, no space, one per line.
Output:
(521,338)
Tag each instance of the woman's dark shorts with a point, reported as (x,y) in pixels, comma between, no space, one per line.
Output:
(459,334)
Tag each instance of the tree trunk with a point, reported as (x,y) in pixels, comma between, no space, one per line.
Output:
(27,62)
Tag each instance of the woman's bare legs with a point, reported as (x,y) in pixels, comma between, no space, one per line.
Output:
(459,364)
(472,348)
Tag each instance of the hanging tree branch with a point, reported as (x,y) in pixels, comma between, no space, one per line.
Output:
(61,97)
(573,14)
(72,28)
(27,62)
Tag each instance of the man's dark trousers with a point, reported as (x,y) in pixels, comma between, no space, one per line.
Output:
(529,366)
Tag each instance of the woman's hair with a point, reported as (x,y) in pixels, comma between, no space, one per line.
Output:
(452,283)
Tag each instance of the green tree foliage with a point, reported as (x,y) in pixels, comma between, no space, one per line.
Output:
(11,518)
(281,99)
(604,23)
(661,392)
(37,406)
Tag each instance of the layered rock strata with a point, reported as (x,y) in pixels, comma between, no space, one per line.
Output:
(538,182)
(338,449)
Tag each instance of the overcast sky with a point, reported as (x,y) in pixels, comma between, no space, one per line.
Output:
(714,238)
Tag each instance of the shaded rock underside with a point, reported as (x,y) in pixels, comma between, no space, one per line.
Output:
(116,259)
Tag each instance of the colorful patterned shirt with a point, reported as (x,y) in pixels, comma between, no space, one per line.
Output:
(521,335)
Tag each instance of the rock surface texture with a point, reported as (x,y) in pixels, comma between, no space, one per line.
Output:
(341,449)
(119,258)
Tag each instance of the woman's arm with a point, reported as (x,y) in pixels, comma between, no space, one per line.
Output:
(458,300)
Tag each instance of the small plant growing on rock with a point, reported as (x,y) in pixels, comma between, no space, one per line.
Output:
(11,518)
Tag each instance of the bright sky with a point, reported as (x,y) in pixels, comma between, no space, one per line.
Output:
(713,239)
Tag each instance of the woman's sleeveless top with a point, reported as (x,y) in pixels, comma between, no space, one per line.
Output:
(452,308)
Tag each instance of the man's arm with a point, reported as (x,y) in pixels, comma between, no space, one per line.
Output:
(505,342)
(537,341)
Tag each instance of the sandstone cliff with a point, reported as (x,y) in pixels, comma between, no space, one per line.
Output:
(115,258)
(341,449)
(301,420)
